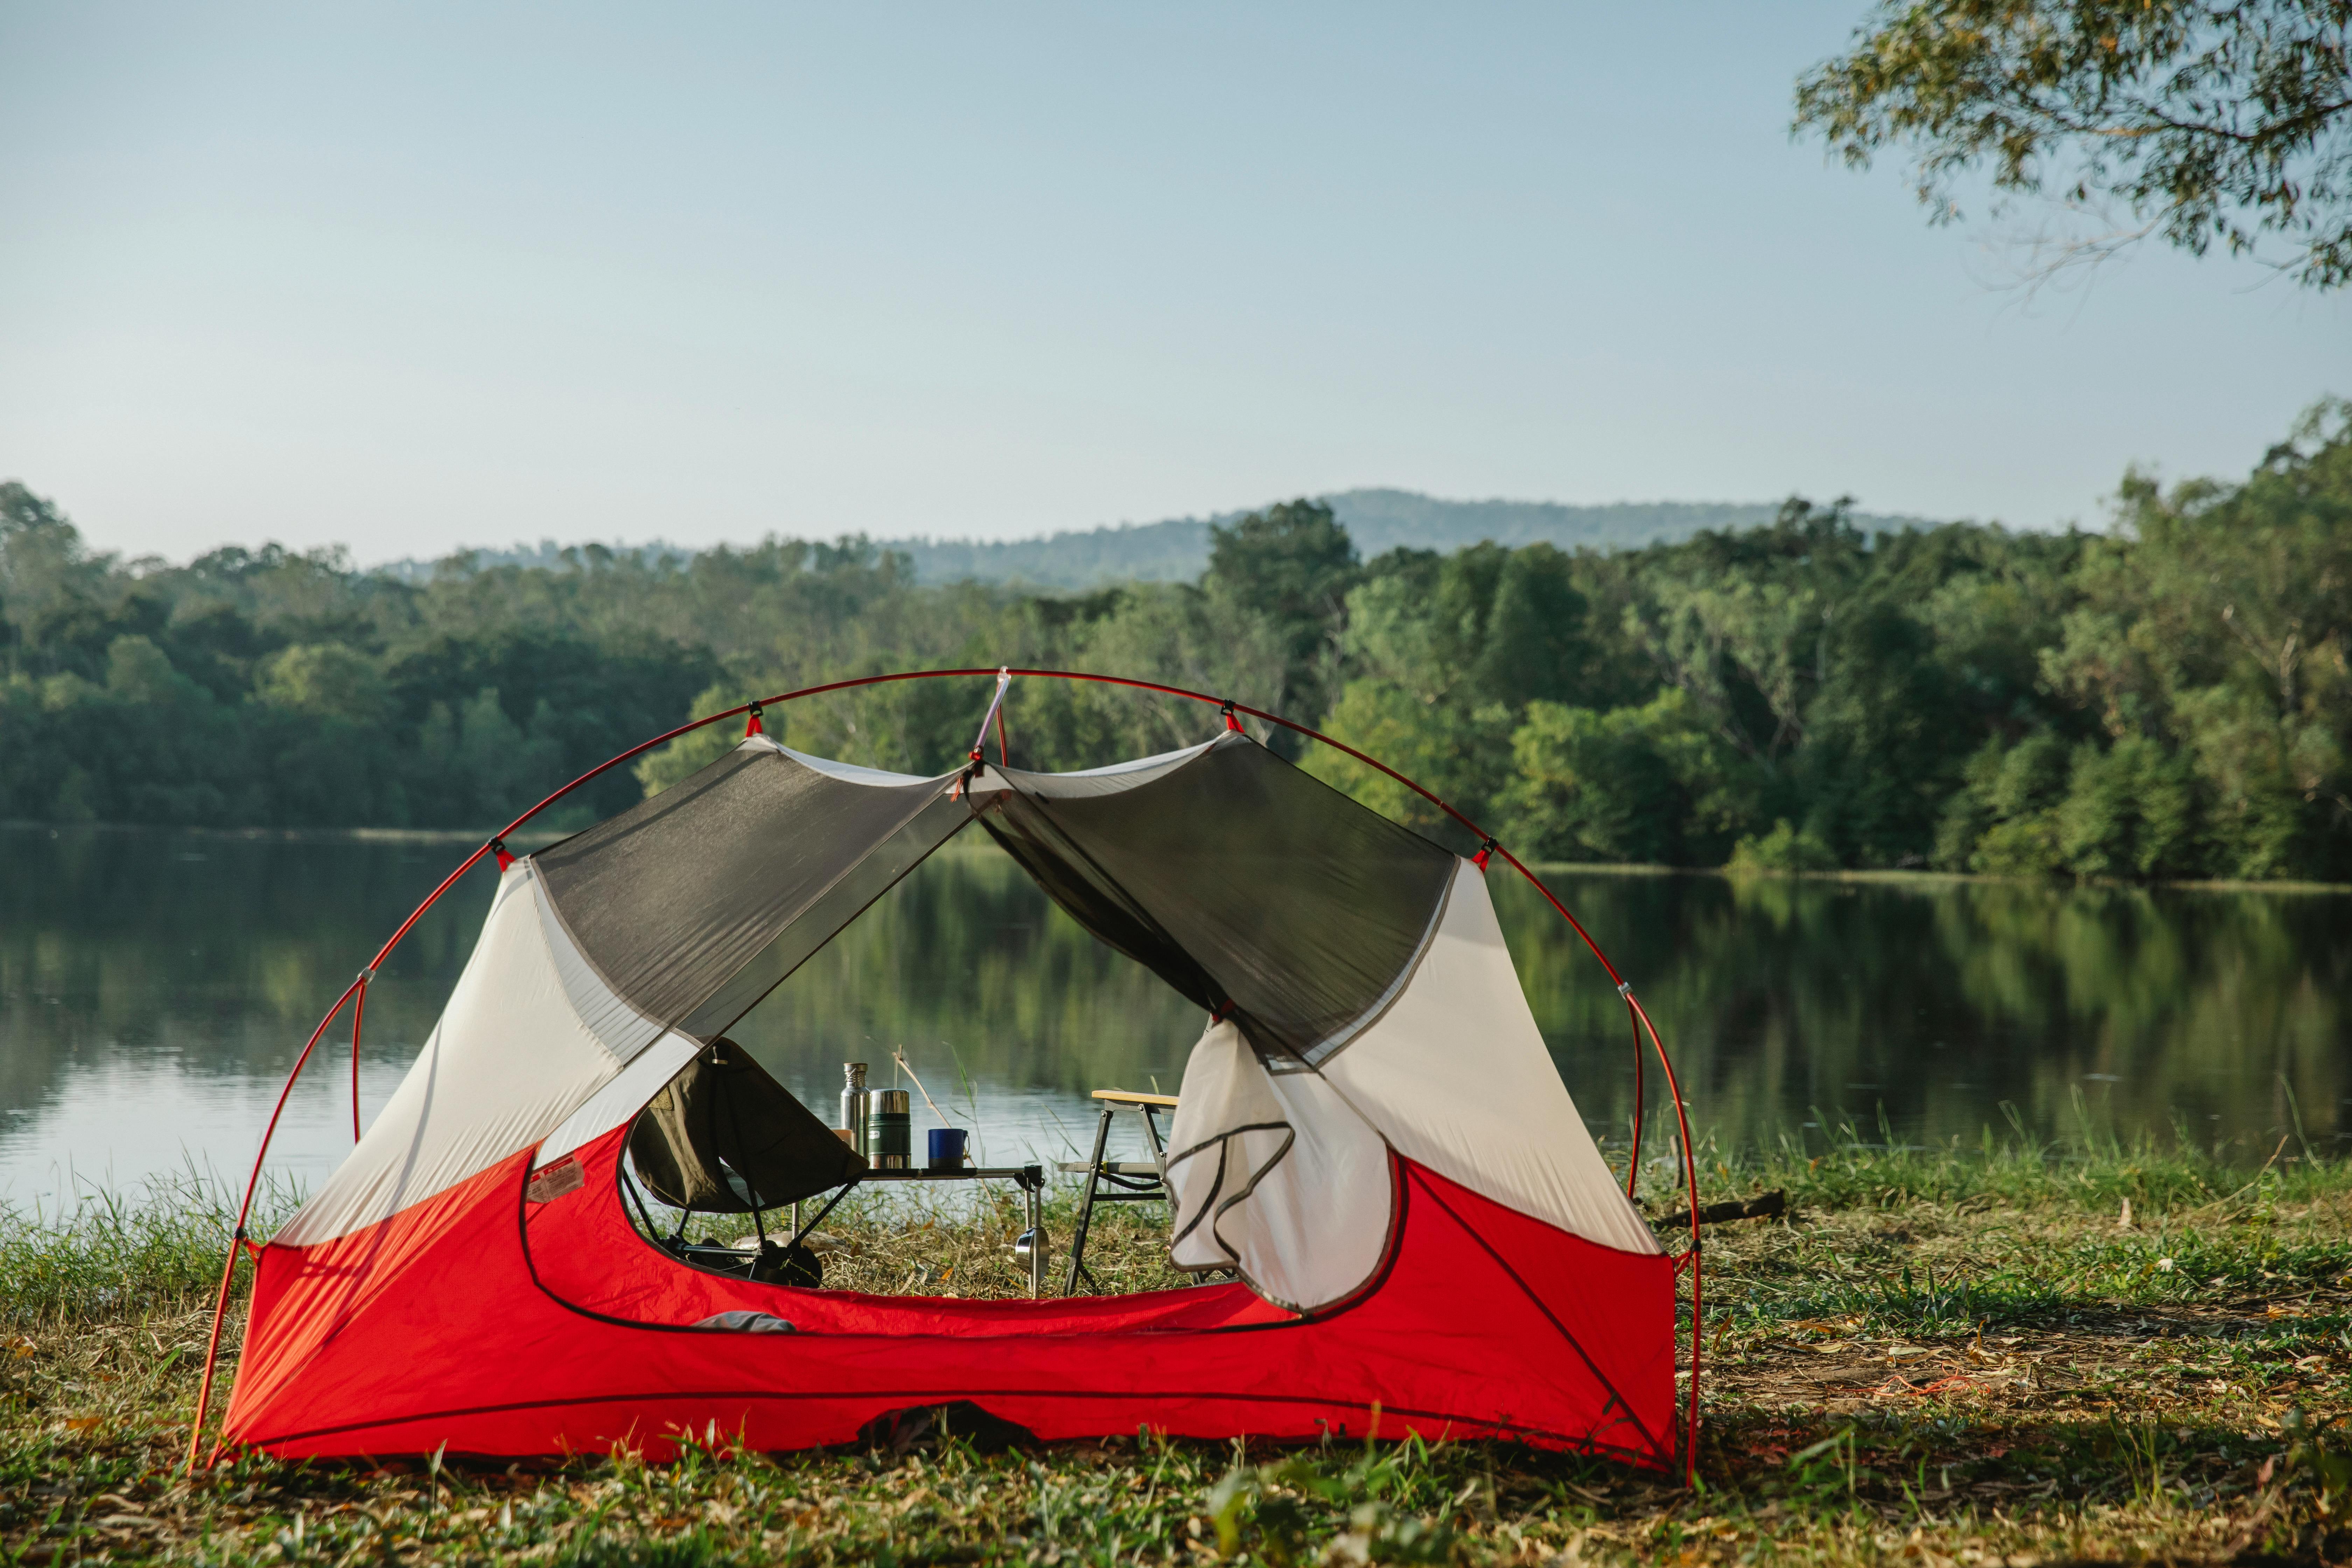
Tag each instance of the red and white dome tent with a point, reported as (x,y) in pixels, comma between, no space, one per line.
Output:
(1371,1135)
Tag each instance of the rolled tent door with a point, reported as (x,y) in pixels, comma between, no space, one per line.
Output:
(1275,1177)
(1285,1176)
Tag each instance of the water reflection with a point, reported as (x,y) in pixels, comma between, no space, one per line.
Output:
(154,987)
(989,989)
(2123,1009)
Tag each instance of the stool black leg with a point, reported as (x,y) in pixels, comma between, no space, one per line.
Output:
(1087,1206)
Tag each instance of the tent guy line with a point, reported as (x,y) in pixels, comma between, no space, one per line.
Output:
(495,845)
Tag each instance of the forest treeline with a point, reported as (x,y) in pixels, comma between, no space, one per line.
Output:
(2169,698)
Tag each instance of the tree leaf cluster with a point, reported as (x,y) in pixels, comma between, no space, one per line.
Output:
(2210,122)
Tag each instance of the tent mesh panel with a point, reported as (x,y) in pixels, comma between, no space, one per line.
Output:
(680,894)
(1251,887)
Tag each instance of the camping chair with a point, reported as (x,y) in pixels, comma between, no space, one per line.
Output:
(1117,1181)
(723,1137)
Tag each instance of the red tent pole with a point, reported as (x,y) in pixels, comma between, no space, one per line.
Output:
(1690,1197)
(1624,987)
(1634,1153)
(359,1011)
(244,1212)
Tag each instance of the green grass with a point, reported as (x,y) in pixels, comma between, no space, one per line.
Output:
(2012,1230)
(106,1256)
(1951,1356)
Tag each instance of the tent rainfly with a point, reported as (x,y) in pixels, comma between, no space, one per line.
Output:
(1371,1136)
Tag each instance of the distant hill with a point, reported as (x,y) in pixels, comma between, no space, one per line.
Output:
(1178,549)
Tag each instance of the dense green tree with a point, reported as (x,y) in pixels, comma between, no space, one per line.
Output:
(1444,654)
(324,680)
(2171,698)
(1290,566)
(1460,751)
(1745,624)
(2216,623)
(2000,820)
(1652,784)
(1535,648)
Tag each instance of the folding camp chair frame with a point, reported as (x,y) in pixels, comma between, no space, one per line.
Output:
(1117,1181)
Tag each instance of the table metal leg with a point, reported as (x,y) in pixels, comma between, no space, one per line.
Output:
(1086,1204)
(1036,1243)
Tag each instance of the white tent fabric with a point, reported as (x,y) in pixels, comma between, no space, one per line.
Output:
(510,1059)
(629,1091)
(1280,1175)
(1455,1075)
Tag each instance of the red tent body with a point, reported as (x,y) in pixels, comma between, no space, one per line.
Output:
(528,1329)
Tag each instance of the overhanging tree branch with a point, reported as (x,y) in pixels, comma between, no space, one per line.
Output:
(2212,121)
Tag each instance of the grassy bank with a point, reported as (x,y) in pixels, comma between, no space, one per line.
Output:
(1967,1355)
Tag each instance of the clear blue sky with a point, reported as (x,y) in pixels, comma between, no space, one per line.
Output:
(405,277)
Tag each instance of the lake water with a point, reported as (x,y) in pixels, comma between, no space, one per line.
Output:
(154,988)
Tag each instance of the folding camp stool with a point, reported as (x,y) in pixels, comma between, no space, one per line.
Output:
(1117,1181)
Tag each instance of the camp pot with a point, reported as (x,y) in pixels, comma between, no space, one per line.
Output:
(893,1129)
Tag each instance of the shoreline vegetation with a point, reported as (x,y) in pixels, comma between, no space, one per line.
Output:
(2167,701)
(534,838)
(2004,1353)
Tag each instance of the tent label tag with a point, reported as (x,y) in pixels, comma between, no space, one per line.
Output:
(564,1176)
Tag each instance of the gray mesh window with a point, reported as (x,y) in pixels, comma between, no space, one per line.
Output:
(1253,890)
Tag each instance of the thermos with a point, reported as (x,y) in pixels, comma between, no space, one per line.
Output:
(856,1105)
(891,1129)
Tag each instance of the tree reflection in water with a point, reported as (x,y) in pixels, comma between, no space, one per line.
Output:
(168,979)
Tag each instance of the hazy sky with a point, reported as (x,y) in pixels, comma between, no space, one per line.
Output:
(408,276)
